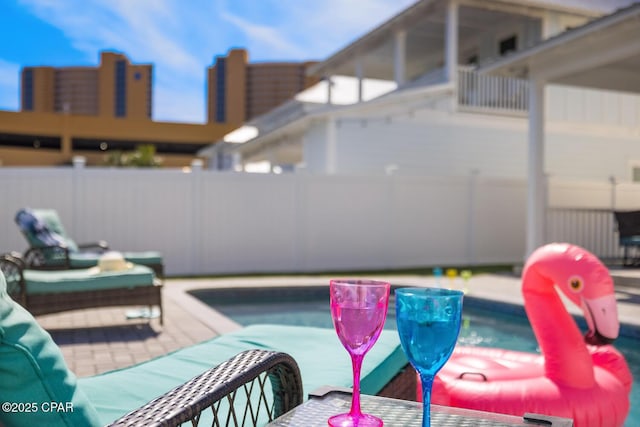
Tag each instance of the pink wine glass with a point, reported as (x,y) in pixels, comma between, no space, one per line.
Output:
(358,309)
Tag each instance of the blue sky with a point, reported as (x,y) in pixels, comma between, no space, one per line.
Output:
(179,37)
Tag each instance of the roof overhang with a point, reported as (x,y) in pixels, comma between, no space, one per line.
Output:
(424,23)
(603,54)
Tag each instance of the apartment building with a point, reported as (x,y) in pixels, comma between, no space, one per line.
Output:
(239,90)
(115,88)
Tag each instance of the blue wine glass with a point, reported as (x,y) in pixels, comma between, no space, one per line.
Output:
(428,321)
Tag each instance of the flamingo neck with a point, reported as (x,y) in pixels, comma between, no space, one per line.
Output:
(566,357)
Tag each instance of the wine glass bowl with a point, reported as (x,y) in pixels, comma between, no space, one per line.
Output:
(428,321)
(359,310)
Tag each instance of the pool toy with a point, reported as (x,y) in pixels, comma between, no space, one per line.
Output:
(466,275)
(437,274)
(585,379)
(452,274)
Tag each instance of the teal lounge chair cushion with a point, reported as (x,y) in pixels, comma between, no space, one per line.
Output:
(34,378)
(44,282)
(630,241)
(90,259)
(320,356)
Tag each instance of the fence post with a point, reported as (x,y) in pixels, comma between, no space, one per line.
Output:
(612,181)
(79,163)
(195,238)
(471,221)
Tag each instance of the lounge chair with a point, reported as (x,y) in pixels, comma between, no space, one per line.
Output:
(44,292)
(629,235)
(50,247)
(171,389)
(38,389)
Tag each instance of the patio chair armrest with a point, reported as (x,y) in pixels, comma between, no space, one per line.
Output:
(47,257)
(233,383)
(99,246)
(12,266)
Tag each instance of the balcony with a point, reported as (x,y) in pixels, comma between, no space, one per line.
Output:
(494,94)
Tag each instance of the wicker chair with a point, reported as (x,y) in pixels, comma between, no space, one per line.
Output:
(254,387)
(147,290)
(51,248)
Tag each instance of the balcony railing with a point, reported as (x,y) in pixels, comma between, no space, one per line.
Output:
(491,93)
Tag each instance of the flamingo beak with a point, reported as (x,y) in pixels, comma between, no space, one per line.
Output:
(601,315)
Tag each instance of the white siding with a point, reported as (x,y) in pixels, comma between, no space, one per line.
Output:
(315,148)
(431,143)
(582,140)
(567,104)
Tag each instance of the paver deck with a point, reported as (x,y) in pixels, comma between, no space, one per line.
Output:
(100,340)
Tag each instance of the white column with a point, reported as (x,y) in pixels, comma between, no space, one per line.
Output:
(399,57)
(331,154)
(451,41)
(360,76)
(236,162)
(329,88)
(536,200)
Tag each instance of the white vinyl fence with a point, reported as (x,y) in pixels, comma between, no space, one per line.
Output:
(207,222)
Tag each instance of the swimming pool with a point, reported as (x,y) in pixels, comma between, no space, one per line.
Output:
(485,324)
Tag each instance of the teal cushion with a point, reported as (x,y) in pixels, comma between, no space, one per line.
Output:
(630,241)
(320,356)
(45,281)
(90,259)
(33,374)
(143,258)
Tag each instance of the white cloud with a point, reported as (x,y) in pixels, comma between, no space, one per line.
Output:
(266,38)
(312,30)
(147,30)
(9,85)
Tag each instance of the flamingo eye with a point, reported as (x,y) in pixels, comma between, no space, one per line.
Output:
(576,284)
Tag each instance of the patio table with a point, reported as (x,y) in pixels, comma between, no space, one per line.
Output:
(329,401)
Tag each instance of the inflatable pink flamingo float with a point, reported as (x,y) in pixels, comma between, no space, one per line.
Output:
(585,379)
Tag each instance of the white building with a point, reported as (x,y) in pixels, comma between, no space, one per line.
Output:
(437,114)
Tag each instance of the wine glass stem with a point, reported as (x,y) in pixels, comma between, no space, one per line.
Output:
(427,384)
(356,362)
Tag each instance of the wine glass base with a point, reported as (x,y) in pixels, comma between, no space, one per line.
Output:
(348,420)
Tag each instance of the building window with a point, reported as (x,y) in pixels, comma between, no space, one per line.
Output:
(220,90)
(40,142)
(121,89)
(635,173)
(27,89)
(508,44)
(150,93)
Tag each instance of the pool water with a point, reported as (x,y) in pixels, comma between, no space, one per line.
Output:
(484,324)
